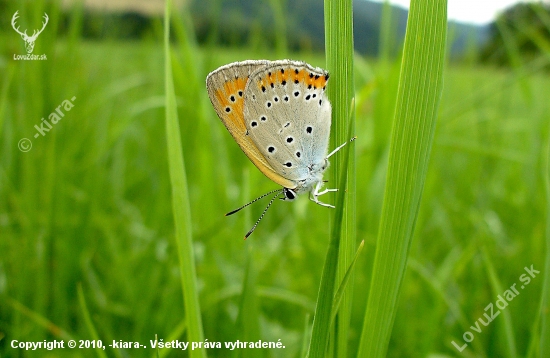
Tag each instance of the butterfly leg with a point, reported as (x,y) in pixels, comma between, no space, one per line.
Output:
(326,191)
(314,195)
(340,147)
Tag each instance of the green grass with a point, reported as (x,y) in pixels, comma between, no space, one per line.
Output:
(90,206)
(419,92)
(332,316)
(180,200)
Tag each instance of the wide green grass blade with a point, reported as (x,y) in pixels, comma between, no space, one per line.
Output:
(418,96)
(339,52)
(180,202)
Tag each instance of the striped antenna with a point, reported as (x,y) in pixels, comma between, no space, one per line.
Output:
(261,216)
(253,201)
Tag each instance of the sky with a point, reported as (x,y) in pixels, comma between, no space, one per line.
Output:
(479,12)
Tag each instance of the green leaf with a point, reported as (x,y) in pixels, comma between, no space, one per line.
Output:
(339,53)
(419,91)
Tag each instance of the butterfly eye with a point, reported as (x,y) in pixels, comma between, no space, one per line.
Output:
(289,194)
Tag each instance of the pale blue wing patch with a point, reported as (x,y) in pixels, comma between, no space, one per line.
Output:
(288,116)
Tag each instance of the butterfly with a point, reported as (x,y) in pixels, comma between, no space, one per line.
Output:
(279,115)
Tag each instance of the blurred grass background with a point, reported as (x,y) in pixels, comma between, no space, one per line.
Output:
(90,203)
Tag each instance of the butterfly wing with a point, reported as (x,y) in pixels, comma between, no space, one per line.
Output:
(226,87)
(288,116)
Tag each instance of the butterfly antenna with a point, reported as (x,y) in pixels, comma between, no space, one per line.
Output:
(261,216)
(340,147)
(253,201)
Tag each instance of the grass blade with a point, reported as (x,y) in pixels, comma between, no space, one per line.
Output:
(323,310)
(306,336)
(419,91)
(37,318)
(545,306)
(340,291)
(88,320)
(180,202)
(248,320)
(496,285)
(339,52)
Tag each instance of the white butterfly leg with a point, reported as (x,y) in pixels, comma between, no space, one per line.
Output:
(316,193)
(326,191)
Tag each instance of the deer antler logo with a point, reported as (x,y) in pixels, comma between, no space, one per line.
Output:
(29,40)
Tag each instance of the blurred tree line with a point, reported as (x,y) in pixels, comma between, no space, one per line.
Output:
(522,32)
(266,24)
